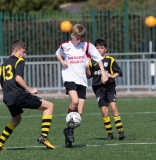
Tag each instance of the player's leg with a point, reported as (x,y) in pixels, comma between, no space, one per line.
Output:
(74,101)
(117,120)
(81,91)
(34,102)
(78,97)
(101,94)
(6,134)
(69,132)
(77,94)
(81,106)
(47,108)
(71,90)
(107,122)
(16,113)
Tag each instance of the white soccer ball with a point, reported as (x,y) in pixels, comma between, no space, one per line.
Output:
(73,119)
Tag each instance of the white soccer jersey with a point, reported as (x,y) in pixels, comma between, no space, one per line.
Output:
(76,56)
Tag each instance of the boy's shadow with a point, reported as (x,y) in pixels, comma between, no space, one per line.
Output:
(105,139)
(76,146)
(17,148)
(25,148)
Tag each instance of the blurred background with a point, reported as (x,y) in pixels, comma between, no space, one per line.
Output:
(128,26)
(37,22)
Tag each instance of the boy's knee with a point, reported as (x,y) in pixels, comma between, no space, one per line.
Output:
(51,105)
(75,103)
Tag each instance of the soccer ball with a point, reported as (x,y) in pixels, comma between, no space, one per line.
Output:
(73,119)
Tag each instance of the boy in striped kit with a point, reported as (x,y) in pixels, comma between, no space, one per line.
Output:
(17,95)
(106,93)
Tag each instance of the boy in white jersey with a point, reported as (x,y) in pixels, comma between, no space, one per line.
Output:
(75,53)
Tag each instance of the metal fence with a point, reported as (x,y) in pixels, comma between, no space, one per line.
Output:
(46,76)
(45,58)
(137,74)
(124,32)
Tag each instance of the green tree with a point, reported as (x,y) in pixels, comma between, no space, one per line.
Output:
(107,4)
(30,5)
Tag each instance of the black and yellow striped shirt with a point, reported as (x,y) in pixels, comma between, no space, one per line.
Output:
(11,89)
(110,66)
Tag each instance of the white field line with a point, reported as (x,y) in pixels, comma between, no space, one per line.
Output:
(91,114)
(87,145)
(129,99)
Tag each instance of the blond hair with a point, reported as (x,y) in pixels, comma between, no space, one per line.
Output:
(79,31)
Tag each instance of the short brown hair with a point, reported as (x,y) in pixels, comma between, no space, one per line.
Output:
(79,31)
(18,44)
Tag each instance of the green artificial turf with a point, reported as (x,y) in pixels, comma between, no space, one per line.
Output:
(137,114)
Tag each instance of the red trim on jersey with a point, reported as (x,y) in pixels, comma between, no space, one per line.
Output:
(63,43)
(87,54)
(61,46)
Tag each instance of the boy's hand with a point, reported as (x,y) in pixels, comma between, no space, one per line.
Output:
(1,89)
(109,75)
(112,76)
(104,78)
(64,64)
(34,91)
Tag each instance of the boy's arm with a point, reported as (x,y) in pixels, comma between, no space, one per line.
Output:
(98,58)
(19,78)
(1,89)
(117,71)
(63,63)
(59,54)
(0,78)
(88,72)
(22,83)
(112,76)
(104,77)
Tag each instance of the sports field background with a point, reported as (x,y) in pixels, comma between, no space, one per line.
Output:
(138,116)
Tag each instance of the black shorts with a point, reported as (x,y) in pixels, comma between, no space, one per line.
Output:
(80,89)
(25,101)
(104,95)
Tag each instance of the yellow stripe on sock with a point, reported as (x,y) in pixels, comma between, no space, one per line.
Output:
(45,129)
(6,133)
(118,124)
(108,126)
(10,126)
(46,123)
(47,117)
(116,118)
(3,138)
(107,119)
(1,144)
(120,129)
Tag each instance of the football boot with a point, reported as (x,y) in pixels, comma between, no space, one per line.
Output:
(68,143)
(45,142)
(121,135)
(109,137)
(2,149)
(68,132)
(69,137)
